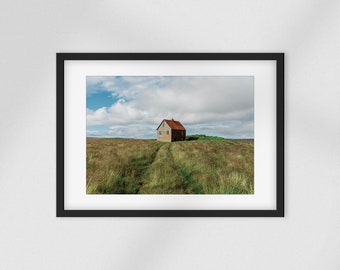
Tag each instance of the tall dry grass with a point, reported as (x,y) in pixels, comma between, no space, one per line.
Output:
(127,166)
(221,167)
(116,166)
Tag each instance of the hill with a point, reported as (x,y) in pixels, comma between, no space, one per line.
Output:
(202,137)
(201,166)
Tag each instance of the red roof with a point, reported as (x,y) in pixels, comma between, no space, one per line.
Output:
(174,124)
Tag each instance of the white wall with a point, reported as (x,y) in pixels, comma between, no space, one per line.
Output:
(31,32)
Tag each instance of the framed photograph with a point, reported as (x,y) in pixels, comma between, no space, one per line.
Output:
(170,134)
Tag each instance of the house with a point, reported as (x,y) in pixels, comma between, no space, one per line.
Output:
(170,131)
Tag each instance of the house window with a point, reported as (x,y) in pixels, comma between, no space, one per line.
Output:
(167,132)
(160,132)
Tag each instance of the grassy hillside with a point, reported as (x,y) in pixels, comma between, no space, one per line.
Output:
(202,137)
(128,166)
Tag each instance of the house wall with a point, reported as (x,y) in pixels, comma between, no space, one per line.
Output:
(164,133)
(178,135)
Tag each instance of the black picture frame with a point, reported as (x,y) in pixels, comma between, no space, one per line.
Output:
(61,58)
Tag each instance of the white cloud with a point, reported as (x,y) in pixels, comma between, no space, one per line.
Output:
(140,131)
(191,100)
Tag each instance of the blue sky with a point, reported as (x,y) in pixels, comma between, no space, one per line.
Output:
(133,106)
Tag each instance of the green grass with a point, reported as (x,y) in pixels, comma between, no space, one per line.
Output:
(202,137)
(202,166)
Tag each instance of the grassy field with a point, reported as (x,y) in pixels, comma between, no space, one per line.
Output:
(129,166)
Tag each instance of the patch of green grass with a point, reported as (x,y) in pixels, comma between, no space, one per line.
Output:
(202,137)
(190,184)
(162,177)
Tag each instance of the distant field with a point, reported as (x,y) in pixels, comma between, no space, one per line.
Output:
(128,166)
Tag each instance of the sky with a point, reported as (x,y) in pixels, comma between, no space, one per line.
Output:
(134,106)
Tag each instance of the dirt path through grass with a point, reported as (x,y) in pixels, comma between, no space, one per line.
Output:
(163,177)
